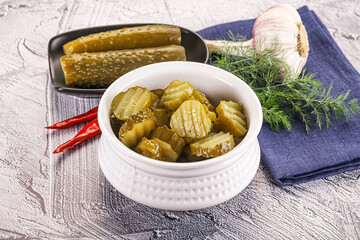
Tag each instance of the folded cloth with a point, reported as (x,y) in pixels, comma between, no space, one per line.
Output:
(294,156)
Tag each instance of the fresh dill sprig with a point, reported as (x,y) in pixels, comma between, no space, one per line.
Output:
(282,99)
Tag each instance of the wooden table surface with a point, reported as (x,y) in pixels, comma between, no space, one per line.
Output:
(46,196)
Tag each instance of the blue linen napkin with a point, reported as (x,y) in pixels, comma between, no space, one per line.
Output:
(294,156)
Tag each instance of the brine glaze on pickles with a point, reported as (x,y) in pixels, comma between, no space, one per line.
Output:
(167,135)
(213,145)
(156,149)
(126,38)
(128,103)
(149,148)
(231,118)
(176,93)
(169,155)
(137,127)
(162,117)
(203,99)
(177,124)
(191,120)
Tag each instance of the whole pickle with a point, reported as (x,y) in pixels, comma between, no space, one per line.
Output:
(100,69)
(126,38)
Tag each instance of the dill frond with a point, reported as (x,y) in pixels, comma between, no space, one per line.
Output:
(283,100)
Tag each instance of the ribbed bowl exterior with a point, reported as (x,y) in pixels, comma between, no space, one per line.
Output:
(179,193)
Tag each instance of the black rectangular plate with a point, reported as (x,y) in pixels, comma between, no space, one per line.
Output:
(195,50)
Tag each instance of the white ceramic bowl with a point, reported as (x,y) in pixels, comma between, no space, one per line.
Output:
(181,186)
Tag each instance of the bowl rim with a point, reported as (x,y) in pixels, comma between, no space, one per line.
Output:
(176,165)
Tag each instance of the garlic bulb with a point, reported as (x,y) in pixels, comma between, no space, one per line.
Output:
(281,24)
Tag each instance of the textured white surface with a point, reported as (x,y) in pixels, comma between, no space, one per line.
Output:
(66,196)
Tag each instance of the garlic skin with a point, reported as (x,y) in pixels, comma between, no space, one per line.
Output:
(280,24)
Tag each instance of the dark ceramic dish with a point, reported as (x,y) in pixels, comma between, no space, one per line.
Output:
(195,50)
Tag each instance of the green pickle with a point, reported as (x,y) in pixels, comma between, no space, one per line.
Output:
(137,127)
(167,135)
(213,145)
(159,92)
(156,149)
(203,99)
(187,156)
(155,101)
(126,38)
(169,155)
(149,148)
(128,103)
(231,118)
(177,124)
(190,120)
(162,117)
(176,93)
(100,69)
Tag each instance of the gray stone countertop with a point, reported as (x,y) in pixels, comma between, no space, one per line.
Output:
(46,196)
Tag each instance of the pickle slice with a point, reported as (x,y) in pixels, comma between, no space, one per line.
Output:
(162,117)
(191,120)
(130,102)
(115,124)
(213,145)
(187,156)
(137,127)
(176,93)
(211,114)
(169,155)
(189,140)
(155,100)
(169,136)
(126,38)
(219,126)
(100,69)
(159,92)
(149,148)
(230,118)
(156,149)
(203,99)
